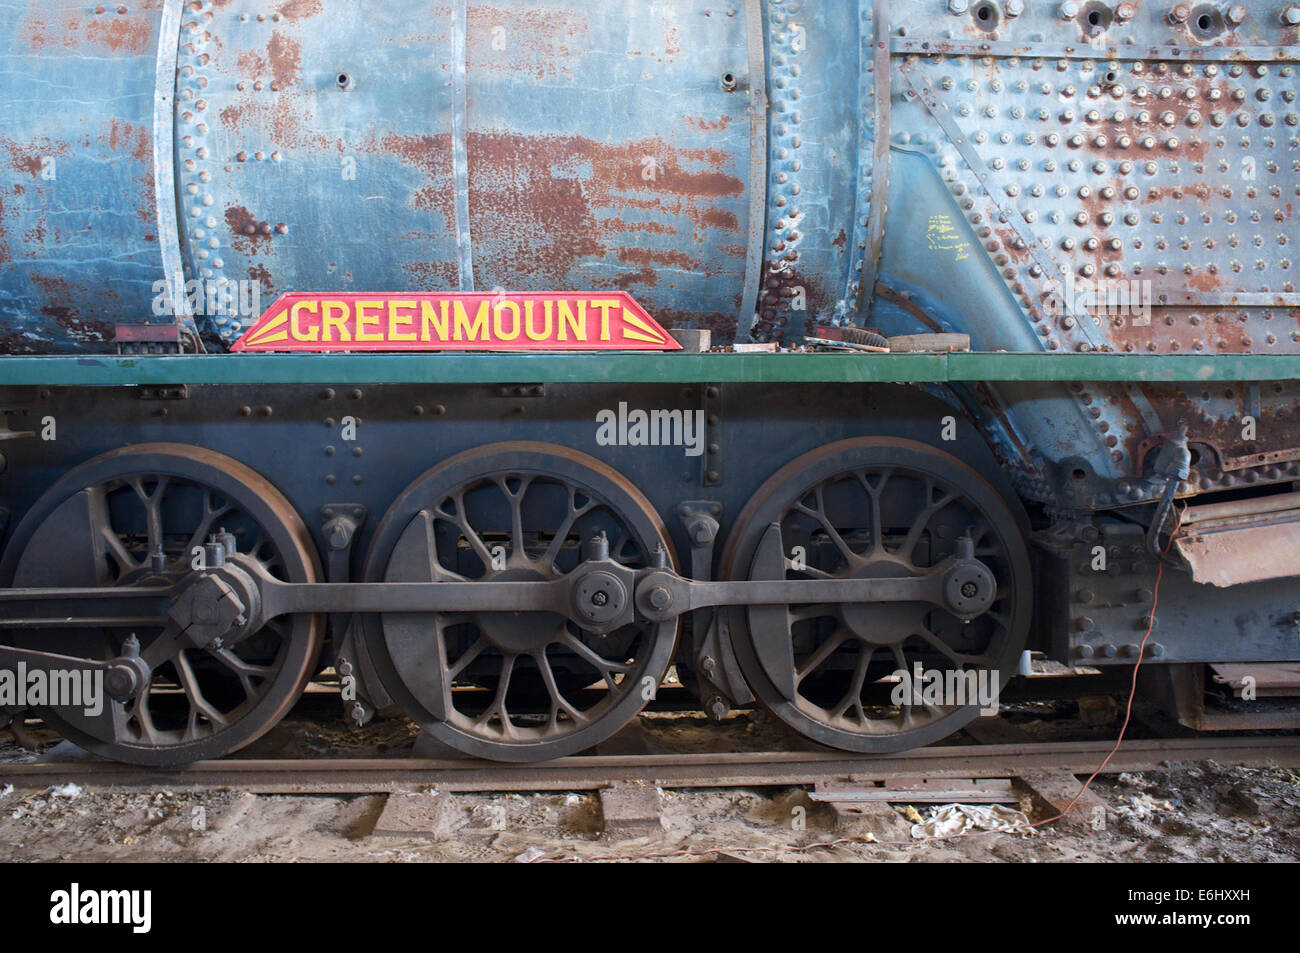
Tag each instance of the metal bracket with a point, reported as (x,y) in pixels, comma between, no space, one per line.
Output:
(721,684)
(712,435)
(342,521)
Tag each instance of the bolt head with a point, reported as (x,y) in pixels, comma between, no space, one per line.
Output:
(1291,15)
(1069,10)
(1015,7)
(1126,11)
(1180,13)
(1236,13)
(958,6)
(660,597)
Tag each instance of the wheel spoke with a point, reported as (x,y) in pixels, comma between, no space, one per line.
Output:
(498,706)
(211,514)
(919,525)
(606,668)
(437,571)
(461,522)
(516,499)
(819,610)
(558,702)
(828,527)
(562,532)
(153,509)
(824,651)
(854,695)
(199,704)
(245,671)
(102,527)
(877,527)
(941,645)
(469,655)
(144,717)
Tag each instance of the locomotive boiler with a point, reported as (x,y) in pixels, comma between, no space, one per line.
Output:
(515,546)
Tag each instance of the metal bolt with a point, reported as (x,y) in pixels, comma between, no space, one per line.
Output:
(1015,7)
(1236,13)
(1180,13)
(660,597)
(1069,10)
(1125,11)
(958,7)
(1291,15)
(599,597)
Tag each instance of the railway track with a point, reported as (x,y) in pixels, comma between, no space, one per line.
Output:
(694,770)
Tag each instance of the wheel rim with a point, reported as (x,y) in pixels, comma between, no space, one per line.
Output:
(839,687)
(508,686)
(114,511)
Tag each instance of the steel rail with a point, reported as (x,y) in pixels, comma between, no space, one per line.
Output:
(592,772)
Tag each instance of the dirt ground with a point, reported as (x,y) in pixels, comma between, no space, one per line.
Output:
(1201,812)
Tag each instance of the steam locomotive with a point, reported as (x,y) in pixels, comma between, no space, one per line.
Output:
(371,338)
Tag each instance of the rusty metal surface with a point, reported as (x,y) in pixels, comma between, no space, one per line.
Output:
(1227,544)
(529,146)
(1265,679)
(79,236)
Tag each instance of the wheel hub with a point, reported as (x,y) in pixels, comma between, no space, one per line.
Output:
(884,623)
(518,633)
(599,597)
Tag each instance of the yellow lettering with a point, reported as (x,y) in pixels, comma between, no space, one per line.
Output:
(399,315)
(568,321)
(365,320)
(433,321)
(335,316)
(497,325)
(313,331)
(530,329)
(604,304)
(464,330)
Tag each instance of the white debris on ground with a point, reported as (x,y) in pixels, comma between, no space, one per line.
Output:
(1142,806)
(951,819)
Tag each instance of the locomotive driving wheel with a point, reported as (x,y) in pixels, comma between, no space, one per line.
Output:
(136,517)
(879,508)
(518,686)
